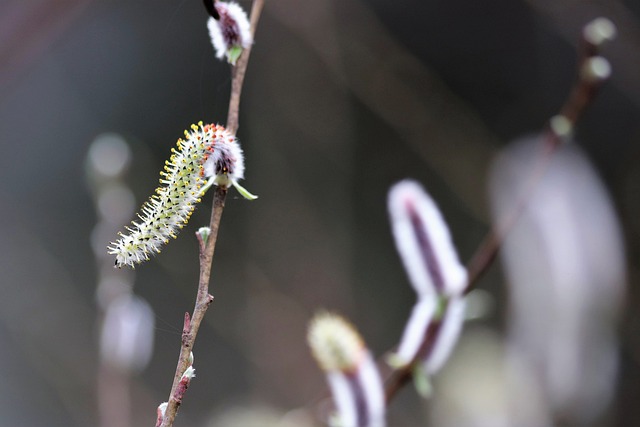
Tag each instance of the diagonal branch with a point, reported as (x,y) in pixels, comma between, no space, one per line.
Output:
(559,128)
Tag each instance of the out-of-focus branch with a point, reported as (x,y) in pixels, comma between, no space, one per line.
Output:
(592,71)
(415,103)
(567,17)
(28,28)
(239,71)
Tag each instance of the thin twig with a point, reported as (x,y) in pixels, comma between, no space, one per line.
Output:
(203,300)
(239,71)
(207,249)
(580,97)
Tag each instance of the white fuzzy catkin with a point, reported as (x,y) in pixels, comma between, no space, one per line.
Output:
(424,242)
(208,151)
(351,371)
(416,330)
(232,31)
(447,337)
(335,343)
(439,279)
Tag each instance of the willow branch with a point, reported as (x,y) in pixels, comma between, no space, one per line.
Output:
(557,131)
(207,248)
(240,70)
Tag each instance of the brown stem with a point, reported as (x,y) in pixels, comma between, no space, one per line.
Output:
(488,249)
(240,70)
(204,299)
(580,97)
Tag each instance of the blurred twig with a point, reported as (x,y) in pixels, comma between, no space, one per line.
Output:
(559,128)
(567,18)
(27,29)
(239,71)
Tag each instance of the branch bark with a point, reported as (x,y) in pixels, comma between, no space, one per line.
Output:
(207,249)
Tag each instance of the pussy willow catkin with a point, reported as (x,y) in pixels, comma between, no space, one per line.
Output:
(208,155)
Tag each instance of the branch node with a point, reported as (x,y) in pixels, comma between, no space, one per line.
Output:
(207,242)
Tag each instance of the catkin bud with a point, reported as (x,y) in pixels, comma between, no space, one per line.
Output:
(599,30)
(231,32)
(425,246)
(351,371)
(423,241)
(335,344)
(162,409)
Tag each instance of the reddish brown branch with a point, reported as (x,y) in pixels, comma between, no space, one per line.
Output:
(203,300)
(239,72)
(580,97)
(557,131)
(207,249)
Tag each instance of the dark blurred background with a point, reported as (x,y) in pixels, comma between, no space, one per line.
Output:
(342,99)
